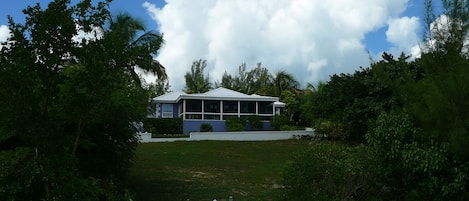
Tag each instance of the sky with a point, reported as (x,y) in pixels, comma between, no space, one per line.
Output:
(311,39)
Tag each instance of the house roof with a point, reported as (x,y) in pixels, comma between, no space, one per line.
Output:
(171,97)
(220,93)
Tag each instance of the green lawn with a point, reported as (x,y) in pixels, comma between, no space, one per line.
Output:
(204,170)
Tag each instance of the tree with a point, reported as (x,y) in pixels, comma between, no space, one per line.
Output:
(137,46)
(283,81)
(292,105)
(196,81)
(64,118)
(350,102)
(158,88)
(436,101)
(256,81)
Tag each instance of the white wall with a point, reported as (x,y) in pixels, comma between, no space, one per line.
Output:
(232,136)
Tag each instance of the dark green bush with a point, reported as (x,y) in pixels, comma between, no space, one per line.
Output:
(204,127)
(163,125)
(414,166)
(235,124)
(280,120)
(330,171)
(255,122)
(333,130)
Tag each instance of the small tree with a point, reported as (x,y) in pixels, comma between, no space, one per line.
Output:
(196,81)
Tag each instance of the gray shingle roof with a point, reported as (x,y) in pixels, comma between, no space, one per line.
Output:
(220,93)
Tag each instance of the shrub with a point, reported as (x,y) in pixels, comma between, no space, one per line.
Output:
(235,124)
(330,171)
(413,167)
(333,130)
(204,127)
(163,125)
(279,120)
(255,122)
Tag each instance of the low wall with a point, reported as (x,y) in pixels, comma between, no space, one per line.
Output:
(233,136)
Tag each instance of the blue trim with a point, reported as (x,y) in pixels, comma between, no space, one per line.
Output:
(193,125)
(175,110)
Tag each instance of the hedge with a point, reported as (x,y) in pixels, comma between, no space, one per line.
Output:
(163,125)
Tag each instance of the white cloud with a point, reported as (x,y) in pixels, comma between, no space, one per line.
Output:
(310,39)
(4,34)
(403,33)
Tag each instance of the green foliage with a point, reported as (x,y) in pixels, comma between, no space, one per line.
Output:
(283,81)
(158,88)
(204,127)
(256,81)
(235,124)
(292,104)
(329,171)
(355,100)
(255,122)
(196,81)
(332,130)
(66,106)
(414,168)
(163,125)
(280,120)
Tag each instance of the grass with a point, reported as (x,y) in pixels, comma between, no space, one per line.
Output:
(203,170)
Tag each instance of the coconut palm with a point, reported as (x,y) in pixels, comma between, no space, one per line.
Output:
(139,49)
(283,81)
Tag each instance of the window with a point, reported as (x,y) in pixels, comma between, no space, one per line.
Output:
(193,116)
(212,106)
(230,106)
(212,117)
(266,118)
(193,105)
(167,110)
(265,108)
(225,117)
(248,107)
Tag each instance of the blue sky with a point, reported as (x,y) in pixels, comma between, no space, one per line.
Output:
(310,39)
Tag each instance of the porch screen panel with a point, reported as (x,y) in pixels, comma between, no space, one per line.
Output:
(212,106)
(248,107)
(212,117)
(266,108)
(193,105)
(230,106)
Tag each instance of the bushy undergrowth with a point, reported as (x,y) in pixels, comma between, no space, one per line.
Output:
(163,125)
(204,127)
(330,171)
(235,124)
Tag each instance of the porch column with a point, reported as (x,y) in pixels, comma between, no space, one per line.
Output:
(239,108)
(221,109)
(184,109)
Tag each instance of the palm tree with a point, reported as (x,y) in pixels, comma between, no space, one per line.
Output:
(124,32)
(283,81)
(196,81)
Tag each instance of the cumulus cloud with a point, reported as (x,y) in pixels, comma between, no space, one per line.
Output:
(403,33)
(310,39)
(4,34)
